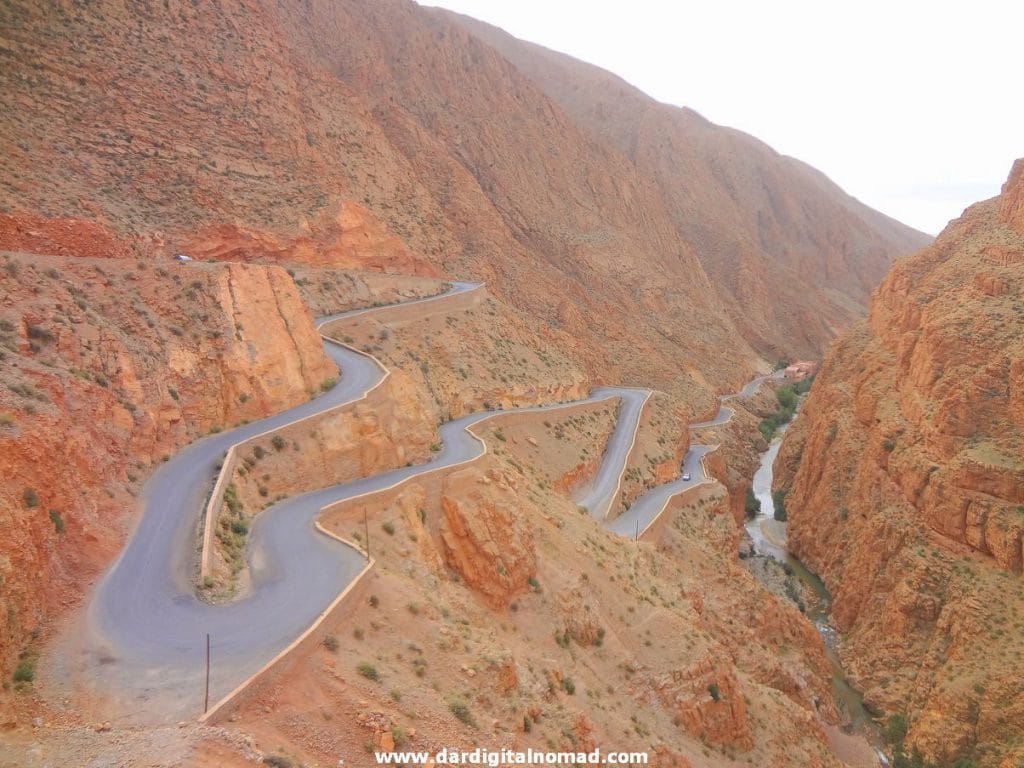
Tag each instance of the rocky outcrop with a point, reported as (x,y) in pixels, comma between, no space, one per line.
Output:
(905,478)
(708,703)
(108,366)
(59,236)
(1011,201)
(485,539)
(393,426)
(345,235)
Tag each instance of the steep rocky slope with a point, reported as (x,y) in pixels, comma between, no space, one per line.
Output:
(251,141)
(107,365)
(906,478)
(500,615)
(792,257)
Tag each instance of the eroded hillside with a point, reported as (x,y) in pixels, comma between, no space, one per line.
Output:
(791,256)
(907,488)
(252,141)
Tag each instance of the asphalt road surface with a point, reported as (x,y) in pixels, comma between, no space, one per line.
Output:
(147,627)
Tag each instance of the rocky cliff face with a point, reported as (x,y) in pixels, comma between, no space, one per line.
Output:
(486,541)
(107,366)
(343,236)
(906,484)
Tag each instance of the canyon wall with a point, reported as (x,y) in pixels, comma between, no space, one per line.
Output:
(109,365)
(906,488)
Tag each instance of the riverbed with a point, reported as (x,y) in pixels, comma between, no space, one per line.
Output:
(808,592)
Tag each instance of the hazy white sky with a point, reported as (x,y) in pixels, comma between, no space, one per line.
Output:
(916,108)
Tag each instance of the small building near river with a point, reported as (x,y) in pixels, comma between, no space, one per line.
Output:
(801,369)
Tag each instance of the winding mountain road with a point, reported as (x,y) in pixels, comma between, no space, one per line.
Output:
(148,628)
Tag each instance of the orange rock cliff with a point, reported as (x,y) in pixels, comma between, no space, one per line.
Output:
(905,475)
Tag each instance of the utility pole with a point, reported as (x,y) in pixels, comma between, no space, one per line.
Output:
(366,528)
(206,704)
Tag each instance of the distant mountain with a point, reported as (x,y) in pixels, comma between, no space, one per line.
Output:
(792,256)
(660,248)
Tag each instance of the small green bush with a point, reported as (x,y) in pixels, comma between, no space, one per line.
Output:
(331,643)
(25,672)
(786,397)
(779,502)
(715,693)
(368,671)
(231,499)
(461,711)
(30,498)
(389,528)
(39,333)
(278,442)
(895,730)
(57,520)
(752,505)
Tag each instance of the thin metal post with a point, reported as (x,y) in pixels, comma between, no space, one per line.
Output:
(206,704)
(366,528)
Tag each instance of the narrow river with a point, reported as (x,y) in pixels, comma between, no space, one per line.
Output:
(769,538)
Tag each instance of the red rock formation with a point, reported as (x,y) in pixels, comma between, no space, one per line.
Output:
(1011,201)
(485,539)
(109,365)
(708,702)
(59,236)
(346,236)
(908,496)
